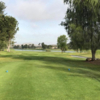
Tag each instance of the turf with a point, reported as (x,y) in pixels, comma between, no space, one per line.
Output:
(45,76)
(88,54)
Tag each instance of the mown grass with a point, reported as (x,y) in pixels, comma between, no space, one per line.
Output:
(87,53)
(45,76)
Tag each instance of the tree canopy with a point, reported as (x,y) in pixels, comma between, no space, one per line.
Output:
(8,28)
(82,22)
(2,7)
(11,29)
(62,42)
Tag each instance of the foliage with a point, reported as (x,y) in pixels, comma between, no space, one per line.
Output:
(2,31)
(62,42)
(2,45)
(24,46)
(49,46)
(11,29)
(44,46)
(8,27)
(16,46)
(2,7)
(82,22)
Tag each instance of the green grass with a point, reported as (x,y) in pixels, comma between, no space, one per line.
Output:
(45,76)
(88,53)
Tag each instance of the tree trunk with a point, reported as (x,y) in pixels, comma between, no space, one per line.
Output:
(8,49)
(93,55)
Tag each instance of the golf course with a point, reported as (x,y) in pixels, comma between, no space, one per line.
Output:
(50,50)
(27,75)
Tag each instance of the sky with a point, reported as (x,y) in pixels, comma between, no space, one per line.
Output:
(39,20)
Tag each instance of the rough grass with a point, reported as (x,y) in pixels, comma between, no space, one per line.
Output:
(45,76)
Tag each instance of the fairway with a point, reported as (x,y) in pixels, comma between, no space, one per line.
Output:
(45,76)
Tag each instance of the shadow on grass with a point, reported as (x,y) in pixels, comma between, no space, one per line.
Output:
(76,66)
(88,74)
(77,72)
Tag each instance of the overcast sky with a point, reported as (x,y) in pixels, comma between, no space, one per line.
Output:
(38,20)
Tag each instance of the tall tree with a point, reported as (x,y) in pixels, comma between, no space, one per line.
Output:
(11,29)
(8,27)
(62,42)
(82,20)
(44,46)
(2,7)
(2,31)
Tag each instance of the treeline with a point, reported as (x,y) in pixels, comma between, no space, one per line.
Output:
(32,46)
(25,46)
(44,46)
(8,28)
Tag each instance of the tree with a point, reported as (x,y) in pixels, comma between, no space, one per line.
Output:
(62,42)
(16,46)
(29,45)
(32,46)
(2,45)
(8,27)
(2,31)
(11,29)
(22,46)
(69,46)
(44,46)
(49,46)
(2,7)
(26,46)
(12,43)
(82,22)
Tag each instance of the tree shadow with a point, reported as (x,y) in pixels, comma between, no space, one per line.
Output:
(81,68)
(78,72)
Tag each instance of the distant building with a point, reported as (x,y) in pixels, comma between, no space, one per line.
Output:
(38,46)
(54,47)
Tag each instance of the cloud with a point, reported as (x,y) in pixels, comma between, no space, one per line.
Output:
(38,19)
(37,10)
(33,25)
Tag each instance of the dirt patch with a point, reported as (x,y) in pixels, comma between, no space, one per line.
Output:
(96,62)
